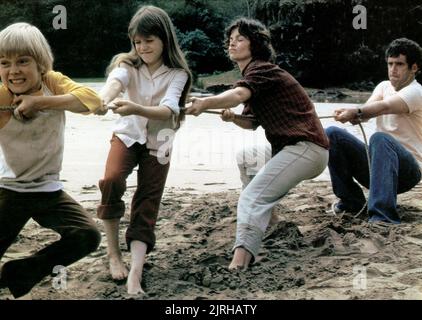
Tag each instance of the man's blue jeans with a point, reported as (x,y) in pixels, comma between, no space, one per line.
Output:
(394,170)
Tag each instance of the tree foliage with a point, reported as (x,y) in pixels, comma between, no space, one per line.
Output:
(200,27)
(97,30)
(316,41)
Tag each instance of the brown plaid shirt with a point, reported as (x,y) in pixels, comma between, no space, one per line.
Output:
(281,106)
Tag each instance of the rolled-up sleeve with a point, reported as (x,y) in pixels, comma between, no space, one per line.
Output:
(121,74)
(174,92)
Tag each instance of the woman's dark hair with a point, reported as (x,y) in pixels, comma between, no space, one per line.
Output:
(408,48)
(259,36)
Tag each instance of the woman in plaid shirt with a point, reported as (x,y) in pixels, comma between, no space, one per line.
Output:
(299,146)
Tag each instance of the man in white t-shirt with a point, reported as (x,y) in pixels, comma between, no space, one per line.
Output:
(395,149)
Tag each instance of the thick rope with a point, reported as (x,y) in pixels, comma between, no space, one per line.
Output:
(7,108)
(369,168)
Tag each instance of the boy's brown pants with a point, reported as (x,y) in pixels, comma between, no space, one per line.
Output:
(53,210)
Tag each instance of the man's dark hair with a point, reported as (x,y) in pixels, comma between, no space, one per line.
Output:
(408,48)
(257,34)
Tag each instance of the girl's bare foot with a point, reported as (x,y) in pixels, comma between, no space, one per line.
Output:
(241,259)
(118,269)
(138,250)
(134,282)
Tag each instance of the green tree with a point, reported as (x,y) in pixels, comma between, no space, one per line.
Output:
(315,39)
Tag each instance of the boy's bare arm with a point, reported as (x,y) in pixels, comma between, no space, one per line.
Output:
(28,106)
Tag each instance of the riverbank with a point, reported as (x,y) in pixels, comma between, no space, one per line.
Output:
(358,93)
(310,254)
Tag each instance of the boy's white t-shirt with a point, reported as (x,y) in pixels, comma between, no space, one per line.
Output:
(407,127)
(31,152)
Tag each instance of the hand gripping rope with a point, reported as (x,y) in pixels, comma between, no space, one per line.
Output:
(19,116)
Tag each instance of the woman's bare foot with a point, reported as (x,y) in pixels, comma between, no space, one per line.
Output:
(274,218)
(241,259)
(118,269)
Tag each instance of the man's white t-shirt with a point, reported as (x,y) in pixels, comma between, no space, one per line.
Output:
(406,127)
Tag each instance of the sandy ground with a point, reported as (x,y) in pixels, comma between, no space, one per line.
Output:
(309,254)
